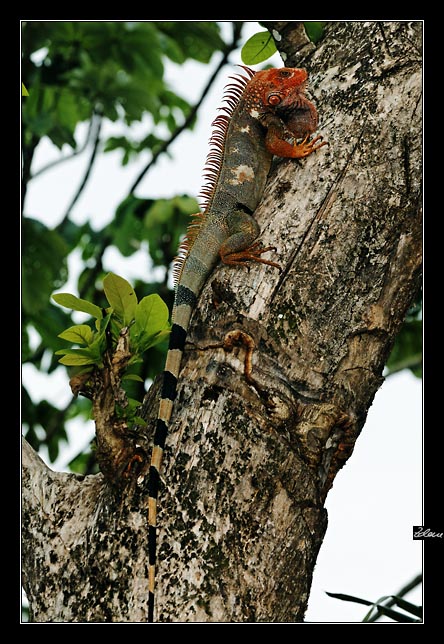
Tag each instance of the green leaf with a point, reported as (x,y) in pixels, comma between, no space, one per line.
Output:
(44,265)
(48,322)
(24,90)
(160,212)
(258,48)
(99,345)
(115,142)
(102,325)
(90,243)
(166,220)
(407,350)
(38,110)
(70,301)
(152,340)
(68,113)
(150,323)
(96,342)
(138,420)
(374,612)
(26,351)
(126,228)
(196,40)
(121,296)
(185,204)
(76,357)
(48,417)
(314,30)
(132,376)
(78,334)
(82,462)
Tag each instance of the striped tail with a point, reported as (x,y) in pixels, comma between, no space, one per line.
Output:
(198,254)
(185,302)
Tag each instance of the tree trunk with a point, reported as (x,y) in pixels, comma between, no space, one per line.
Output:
(251,457)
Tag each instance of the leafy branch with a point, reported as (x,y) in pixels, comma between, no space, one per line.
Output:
(143,323)
(262,45)
(102,354)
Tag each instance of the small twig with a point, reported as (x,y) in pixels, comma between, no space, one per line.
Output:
(60,160)
(82,185)
(237,27)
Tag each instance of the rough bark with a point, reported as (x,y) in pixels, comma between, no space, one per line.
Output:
(250,460)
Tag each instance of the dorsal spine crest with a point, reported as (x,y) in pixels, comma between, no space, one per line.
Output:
(213,164)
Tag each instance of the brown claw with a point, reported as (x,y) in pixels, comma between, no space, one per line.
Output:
(251,254)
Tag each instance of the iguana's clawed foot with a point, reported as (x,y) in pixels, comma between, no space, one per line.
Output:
(134,466)
(251,254)
(306,147)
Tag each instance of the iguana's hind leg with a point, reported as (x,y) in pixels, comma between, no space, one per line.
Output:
(242,245)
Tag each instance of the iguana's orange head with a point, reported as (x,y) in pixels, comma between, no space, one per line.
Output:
(280,86)
(282,91)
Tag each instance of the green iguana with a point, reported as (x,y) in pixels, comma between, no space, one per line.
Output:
(265,113)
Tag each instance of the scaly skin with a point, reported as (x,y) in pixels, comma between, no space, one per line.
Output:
(267,111)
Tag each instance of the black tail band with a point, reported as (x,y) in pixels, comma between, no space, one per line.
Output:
(150,607)
(153,482)
(169,385)
(161,433)
(178,337)
(152,533)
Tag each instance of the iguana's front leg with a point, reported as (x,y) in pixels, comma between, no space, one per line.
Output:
(280,140)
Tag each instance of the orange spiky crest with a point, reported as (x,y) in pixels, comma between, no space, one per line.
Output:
(232,95)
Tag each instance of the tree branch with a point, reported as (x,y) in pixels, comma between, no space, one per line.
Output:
(403,591)
(66,553)
(237,28)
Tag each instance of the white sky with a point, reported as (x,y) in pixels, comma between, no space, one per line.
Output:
(377,497)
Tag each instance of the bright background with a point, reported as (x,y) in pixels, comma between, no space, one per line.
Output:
(377,497)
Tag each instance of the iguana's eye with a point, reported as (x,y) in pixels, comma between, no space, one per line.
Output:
(286,74)
(274,99)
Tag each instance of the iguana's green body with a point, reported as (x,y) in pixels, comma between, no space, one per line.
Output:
(266,112)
